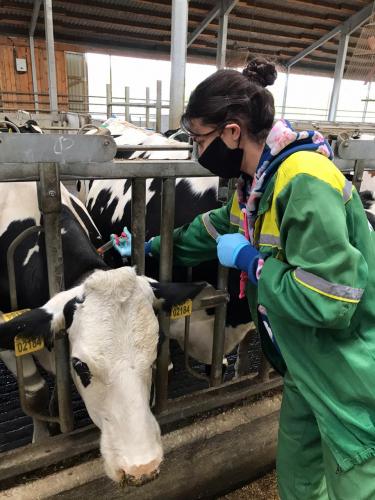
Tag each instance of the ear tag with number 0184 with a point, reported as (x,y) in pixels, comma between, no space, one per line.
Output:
(24,345)
(181,310)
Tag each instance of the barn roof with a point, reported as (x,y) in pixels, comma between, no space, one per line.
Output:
(278,30)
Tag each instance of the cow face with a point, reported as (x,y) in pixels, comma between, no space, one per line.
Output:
(113,334)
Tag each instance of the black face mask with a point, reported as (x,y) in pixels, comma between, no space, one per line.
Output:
(221,160)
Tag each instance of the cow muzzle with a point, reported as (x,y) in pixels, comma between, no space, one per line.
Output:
(141,474)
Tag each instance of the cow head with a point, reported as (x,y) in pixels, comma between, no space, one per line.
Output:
(113,334)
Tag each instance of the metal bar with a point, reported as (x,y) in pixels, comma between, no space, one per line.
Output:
(225,8)
(219,330)
(351,24)
(339,71)
(52,83)
(127,103)
(285,95)
(22,148)
(212,398)
(18,172)
(138,224)
(49,196)
(34,74)
(147,107)
(178,61)
(34,17)
(171,147)
(158,105)
(108,90)
(165,274)
(366,101)
(203,25)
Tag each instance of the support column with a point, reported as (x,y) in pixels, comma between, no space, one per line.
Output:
(50,45)
(178,61)
(339,71)
(222,37)
(285,96)
(33,22)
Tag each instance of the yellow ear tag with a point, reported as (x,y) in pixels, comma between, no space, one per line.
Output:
(181,310)
(24,345)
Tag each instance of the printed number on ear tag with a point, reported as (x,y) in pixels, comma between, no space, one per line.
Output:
(24,345)
(182,310)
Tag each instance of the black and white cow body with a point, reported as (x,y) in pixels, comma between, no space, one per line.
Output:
(109,204)
(110,319)
(368,202)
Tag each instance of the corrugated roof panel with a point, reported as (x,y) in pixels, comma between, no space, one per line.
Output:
(274,28)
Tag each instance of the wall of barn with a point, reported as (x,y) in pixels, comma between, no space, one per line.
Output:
(16,88)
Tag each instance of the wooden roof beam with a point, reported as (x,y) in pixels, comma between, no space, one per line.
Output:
(351,24)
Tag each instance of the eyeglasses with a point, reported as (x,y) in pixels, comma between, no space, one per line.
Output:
(194,135)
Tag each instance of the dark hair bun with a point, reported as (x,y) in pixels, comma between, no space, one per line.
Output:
(260,71)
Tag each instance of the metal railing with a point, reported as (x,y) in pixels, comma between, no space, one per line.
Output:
(61,158)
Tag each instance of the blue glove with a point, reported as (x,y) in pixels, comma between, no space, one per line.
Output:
(234,250)
(123,243)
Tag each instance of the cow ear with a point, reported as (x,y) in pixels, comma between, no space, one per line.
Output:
(168,295)
(30,325)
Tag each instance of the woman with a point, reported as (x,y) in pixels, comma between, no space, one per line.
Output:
(298,231)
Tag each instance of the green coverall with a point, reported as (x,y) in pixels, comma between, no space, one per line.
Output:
(318,288)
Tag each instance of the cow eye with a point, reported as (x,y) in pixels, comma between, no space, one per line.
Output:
(82,370)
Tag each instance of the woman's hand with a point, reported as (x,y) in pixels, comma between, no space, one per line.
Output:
(234,250)
(123,243)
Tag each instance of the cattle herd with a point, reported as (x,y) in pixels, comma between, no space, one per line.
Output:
(108,312)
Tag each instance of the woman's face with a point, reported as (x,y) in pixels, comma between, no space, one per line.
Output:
(203,134)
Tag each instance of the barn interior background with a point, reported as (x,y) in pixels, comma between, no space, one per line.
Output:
(44,48)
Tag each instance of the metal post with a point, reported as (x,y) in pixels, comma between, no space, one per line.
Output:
(222,37)
(158,106)
(50,43)
(34,75)
(366,102)
(339,71)
(147,107)
(138,224)
(50,205)
(165,274)
(219,330)
(285,92)
(127,102)
(108,88)
(178,61)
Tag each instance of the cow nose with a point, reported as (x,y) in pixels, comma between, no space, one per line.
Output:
(141,474)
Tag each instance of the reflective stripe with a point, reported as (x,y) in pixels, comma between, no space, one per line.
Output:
(347,191)
(234,219)
(332,290)
(209,226)
(269,240)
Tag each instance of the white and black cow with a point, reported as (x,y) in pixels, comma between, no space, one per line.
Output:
(368,202)
(109,317)
(109,204)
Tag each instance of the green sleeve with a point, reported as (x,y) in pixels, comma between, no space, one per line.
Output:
(323,276)
(193,243)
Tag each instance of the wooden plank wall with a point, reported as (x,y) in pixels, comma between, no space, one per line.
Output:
(13,83)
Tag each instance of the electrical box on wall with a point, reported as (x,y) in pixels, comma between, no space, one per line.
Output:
(21,66)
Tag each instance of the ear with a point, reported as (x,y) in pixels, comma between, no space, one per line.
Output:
(232,131)
(171,294)
(31,324)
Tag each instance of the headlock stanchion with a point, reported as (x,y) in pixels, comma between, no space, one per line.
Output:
(70,157)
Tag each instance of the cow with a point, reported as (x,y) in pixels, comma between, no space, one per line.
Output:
(109,317)
(368,202)
(109,204)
